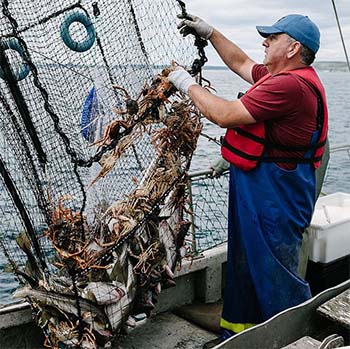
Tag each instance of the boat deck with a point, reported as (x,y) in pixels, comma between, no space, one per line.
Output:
(166,330)
(187,316)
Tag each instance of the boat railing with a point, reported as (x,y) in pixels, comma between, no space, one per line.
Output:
(208,205)
(208,199)
(340,147)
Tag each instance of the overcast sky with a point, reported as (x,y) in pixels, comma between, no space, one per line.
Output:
(237,20)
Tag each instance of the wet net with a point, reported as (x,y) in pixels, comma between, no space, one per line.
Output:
(95,147)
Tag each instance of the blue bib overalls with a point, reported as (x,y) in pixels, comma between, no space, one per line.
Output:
(269,208)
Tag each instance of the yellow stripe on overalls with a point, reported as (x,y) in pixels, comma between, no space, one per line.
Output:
(235,327)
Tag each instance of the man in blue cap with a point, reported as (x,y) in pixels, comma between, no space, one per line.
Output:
(274,142)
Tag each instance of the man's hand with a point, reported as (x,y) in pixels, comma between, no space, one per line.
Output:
(219,167)
(181,79)
(193,23)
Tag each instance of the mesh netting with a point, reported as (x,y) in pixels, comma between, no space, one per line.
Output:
(93,159)
(209,211)
(53,94)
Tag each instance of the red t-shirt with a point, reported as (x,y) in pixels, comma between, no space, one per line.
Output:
(288,106)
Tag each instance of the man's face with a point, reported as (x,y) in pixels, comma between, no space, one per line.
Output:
(277,47)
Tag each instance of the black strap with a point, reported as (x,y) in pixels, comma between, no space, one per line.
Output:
(262,158)
(271,145)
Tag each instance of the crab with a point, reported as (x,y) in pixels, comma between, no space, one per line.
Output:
(113,131)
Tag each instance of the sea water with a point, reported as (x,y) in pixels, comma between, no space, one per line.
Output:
(227,85)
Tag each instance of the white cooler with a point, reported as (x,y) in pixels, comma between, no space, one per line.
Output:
(329,231)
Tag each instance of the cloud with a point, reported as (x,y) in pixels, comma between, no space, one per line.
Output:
(237,20)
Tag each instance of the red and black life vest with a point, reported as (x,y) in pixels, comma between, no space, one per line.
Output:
(244,146)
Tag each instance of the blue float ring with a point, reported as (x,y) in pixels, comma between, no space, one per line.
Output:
(13,44)
(79,46)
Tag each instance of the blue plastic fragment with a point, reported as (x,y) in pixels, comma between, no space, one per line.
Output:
(87,115)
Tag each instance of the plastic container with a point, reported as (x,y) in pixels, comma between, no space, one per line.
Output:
(329,231)
(322,276)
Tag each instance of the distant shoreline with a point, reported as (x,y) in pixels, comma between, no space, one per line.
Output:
(321,66)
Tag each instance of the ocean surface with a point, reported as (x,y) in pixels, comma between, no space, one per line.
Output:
(337,83)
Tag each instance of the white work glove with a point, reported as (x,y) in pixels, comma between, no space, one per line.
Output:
(219,167)
(181,79)
(202,28)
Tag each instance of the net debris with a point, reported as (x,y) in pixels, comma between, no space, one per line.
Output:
(95,149)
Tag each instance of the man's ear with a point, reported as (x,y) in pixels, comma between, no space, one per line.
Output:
(293,49)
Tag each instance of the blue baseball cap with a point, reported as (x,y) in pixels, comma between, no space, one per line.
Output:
(299,27)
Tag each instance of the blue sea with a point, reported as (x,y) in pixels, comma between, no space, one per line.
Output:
(337,84)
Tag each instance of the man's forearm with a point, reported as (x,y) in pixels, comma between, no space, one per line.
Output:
(224,113)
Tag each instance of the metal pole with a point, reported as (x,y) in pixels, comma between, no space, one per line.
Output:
(191,216)
(341,34)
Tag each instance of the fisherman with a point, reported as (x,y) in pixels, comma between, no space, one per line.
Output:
(274,142)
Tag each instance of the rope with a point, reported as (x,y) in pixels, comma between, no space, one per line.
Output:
(138,32)
(39,193)
(22,211)
(341,34)
(211,139)
(46,19)
(200,43)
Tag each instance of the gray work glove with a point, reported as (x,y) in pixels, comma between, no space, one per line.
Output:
(190,23)
(181,79)
(219,167)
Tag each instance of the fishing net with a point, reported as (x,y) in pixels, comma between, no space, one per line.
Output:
(95,146)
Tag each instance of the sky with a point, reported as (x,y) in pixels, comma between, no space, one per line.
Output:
(237,20)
